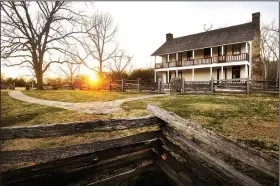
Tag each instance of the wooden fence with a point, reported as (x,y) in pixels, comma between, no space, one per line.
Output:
(188,154)
(124,85)
(243,86)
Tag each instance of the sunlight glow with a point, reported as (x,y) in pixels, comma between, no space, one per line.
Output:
(93,79)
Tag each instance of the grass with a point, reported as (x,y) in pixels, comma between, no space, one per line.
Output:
(249,119)
(80,96)
(19,113)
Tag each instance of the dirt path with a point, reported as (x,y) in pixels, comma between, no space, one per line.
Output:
(86,107)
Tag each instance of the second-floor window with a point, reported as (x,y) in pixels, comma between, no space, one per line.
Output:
(189,55)
(236,49)
(207,53)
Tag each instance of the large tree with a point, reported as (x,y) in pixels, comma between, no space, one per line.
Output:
(38,34)
(98,44)
(270,50)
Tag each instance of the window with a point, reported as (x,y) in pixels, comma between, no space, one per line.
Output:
(235,72)
(172,57)
(180,56)
(189,55)
(236,49)
(207,52)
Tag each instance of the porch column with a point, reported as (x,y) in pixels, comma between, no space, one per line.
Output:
(192,74)
(222,50)
(177,56)
(167,81)
(193,54)
(222,72)
(210,73)
(155,76)
(211,51)
(176,73)
(246,71)
(167,57)
(246,46)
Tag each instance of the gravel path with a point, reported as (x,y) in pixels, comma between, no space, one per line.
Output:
(86,107)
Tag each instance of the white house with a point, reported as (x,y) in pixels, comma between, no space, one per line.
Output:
(225,53)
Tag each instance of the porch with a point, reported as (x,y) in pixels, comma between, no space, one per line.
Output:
(211,55)
(206,73)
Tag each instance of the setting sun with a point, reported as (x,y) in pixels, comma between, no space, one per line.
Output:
(93,78)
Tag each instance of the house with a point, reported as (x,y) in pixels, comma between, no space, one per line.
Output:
(227,53)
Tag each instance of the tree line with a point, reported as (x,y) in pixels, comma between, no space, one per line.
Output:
(76,79)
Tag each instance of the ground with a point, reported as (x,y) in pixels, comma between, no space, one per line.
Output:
(249,119)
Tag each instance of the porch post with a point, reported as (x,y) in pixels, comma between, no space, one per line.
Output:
(246,44)
(211,51)
(167,81)
(177,56)
(168,57)
(222,50)
(210,72)
(192,74)
(176,73)
(193,54)
(222,72)
(246,71)
(155,76)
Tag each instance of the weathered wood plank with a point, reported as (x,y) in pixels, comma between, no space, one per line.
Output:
(179,177)
(233,149)
(218,165)
(50,154)
(86,174)
(60,129)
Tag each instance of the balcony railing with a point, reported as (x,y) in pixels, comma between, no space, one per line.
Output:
(202,61)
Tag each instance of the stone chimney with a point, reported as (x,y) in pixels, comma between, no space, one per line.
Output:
(169,37)
(257,69)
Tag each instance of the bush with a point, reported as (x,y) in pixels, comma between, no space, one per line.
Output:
(146,74)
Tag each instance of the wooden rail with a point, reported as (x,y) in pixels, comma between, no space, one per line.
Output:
(185,152)
(62,129)
(201,61)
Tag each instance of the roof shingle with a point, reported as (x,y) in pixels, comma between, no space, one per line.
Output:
(233,34)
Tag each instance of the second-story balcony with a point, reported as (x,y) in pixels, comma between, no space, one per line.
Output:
(203,61)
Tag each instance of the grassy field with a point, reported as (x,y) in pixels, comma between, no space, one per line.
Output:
(249,119)
(79,96)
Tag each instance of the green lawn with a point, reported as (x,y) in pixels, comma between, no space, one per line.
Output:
(249,119)
(80,96)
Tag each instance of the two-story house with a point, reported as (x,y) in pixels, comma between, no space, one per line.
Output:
(227,53)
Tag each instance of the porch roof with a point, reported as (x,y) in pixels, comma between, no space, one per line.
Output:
(222,36)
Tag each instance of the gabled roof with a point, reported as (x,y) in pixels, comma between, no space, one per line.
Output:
(227,35)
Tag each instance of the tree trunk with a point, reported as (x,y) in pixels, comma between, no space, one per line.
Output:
(39,78)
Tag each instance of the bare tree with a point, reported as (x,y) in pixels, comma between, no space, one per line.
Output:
(99,44)
(120,63)
(71,72)
(270,47)
(37,39)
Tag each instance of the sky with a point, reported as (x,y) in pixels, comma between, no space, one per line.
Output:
(142,26)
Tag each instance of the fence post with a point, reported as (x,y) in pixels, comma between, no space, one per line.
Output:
(122,85)
(183,85)
(138,84)
(248,86)
(212,86)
